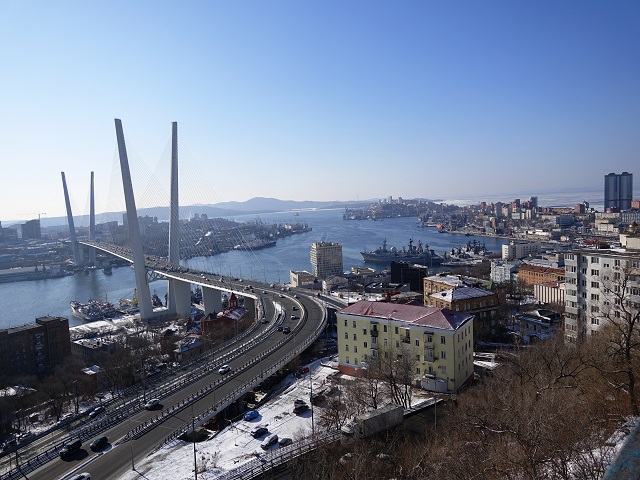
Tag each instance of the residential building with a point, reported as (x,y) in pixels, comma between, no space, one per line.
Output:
(438,341)
(550,292)
(326,259)
(593,286)
(501,271)
(89,348)
(443,281)
(31,230)
(519,250)
(534,274)
(35,348)
(301,278)
(539,324)
(618,191)
(481,303)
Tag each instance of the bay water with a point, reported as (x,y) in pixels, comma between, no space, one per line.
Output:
(23,302)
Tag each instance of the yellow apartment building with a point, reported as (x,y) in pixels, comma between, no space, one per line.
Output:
(439,341)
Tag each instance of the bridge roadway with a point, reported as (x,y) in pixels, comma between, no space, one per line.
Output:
(160,267)
(118,457)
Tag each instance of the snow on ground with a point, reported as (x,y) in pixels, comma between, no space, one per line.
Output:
(234,445)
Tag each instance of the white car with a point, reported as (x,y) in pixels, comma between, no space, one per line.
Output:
(151,404)
(224,369)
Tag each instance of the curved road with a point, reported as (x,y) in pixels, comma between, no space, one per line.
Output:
(118,457)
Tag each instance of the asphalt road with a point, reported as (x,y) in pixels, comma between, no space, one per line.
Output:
(116,459)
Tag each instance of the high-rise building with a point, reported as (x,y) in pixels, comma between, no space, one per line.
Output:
(618,191)
(326,259)
(601,285)
(31,230)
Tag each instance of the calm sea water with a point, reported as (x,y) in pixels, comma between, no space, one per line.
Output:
(22,302)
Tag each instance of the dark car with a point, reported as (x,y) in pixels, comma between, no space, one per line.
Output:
(259,431)
(286,330)
(300,406)
(96,411)
(99,443)
(70,448)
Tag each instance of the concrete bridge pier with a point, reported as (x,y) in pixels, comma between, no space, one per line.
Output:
(182,298)
(212,299)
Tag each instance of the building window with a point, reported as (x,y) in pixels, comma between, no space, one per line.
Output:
(346,348)
(355,337)
(374,340)
(346,336)
(365,345)
(417,342)
(443,355)
(594,272)
(595,321)
(354,324)
(443,369)
(595,285)
(418,370)
(595,260)
(384,328)
(355,349)
(396,329)
(386,343)
(417,357)
(429,338)
(364,331)
(443,340)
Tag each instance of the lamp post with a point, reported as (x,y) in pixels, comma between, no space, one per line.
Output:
(193,433)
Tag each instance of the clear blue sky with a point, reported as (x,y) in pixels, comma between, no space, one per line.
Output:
(318,100)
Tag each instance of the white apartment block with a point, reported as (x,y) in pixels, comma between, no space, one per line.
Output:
(326,259)
(501,271)
(598,280)
(517,251)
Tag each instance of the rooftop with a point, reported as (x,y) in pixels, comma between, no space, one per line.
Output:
(441,318)
(464,293)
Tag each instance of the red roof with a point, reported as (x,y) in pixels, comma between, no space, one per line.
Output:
(417,315)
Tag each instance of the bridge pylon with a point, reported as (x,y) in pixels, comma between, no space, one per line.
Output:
(135,240)
(72,228)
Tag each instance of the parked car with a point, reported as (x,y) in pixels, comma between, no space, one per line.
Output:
(224,369)
(294,317)
(258,431)
(286,330)
(300,406)
(154,402)
(284,441)
(303,370)
(250,415)
(96,411)
(270,440)
(280,327)
(70,448)
(99,443)
(9,444)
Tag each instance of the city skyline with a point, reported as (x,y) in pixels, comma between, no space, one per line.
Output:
(303,101)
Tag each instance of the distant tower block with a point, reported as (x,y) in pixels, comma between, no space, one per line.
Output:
(72,227)
(144,296)
(92,224)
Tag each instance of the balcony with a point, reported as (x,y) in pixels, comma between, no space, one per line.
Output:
(374,333)
(375,346)
(406,339)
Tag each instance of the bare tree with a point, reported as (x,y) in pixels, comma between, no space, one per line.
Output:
(619,311)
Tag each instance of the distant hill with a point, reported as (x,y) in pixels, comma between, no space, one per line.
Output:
(255,205)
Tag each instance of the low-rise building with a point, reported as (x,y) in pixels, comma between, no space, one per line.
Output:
(539,325)
(301,278)
(550,292)
(436,342)
(482,303)
(520,250)
(89,348)
(34,348)
(533,274)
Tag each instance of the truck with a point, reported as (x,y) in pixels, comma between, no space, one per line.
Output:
(370,423)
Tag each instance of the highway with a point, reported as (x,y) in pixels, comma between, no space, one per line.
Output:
(263,351)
